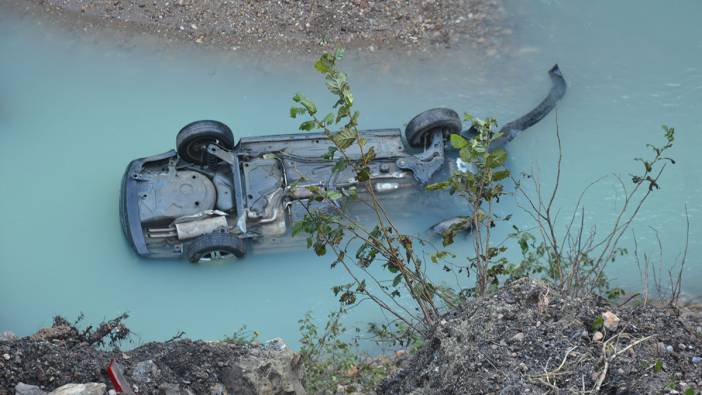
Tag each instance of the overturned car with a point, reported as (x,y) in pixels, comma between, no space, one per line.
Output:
(213,197)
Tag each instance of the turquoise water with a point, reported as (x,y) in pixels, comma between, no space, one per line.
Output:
(72,105)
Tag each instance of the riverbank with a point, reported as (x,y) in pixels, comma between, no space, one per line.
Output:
(292,26)
(525,338)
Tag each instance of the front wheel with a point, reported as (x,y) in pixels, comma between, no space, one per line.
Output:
(420,127)
(215,246)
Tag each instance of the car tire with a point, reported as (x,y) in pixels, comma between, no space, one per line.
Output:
(194,137)
(421,126)
(214,246)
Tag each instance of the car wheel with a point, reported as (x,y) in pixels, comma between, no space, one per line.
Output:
(193,139)
(215,246)
(420,127)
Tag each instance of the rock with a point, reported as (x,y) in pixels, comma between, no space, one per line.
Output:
(669,348)
(519,337)
(272,372)
(611,321)
(59,332)
(7,336)
(597,336)
(6,356)
(170,389)
(276,344)
(146,372)
(660,347)
(696,360)
(26,389)
(80,389)
(218,389)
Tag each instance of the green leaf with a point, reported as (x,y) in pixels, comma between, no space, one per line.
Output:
(659,365)
(320,249)
(396,280)
(597,323)
(326,63)
(334,195)
(340,165)
(500,175)
(466,154)
(307,103)
(295,111)
(457,141)
(328,119)
(497,158)
(308,125)
(363,174)
(345,137)
(438,186)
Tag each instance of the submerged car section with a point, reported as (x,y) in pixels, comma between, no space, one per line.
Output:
(211,197)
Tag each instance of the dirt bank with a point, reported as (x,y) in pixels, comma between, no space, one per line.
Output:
(529,339)
(56,356)
(293,26)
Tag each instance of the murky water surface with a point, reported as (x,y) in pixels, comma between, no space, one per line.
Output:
(76,108)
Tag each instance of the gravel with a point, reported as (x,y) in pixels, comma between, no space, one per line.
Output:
(294,25)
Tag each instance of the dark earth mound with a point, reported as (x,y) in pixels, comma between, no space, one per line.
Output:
(50,359)
(528,339)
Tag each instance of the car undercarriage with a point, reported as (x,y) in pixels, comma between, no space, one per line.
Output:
(213,198)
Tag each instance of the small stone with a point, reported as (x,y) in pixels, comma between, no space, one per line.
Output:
(6,356)
(169,389)
(26,389)
(503,343)
(7,336)
(597,336)
(111,392)
(80,389)
(611,321)
(523,367)
(518,337)
(669,348)
(620,371)
(218,389)
(193,26)
(696,360)
(660,347)
(276,344)
(145,371)
(681,347)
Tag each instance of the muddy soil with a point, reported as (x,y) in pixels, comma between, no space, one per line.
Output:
(529,339)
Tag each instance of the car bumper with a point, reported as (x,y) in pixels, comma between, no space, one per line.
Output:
(129,203)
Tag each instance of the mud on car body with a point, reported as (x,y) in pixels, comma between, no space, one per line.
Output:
(213,198)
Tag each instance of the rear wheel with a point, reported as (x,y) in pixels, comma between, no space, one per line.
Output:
(214,247)
(420,127)
(193,139)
